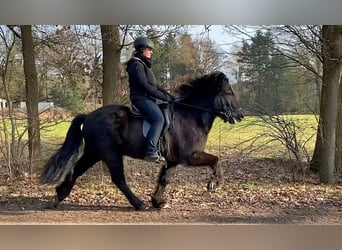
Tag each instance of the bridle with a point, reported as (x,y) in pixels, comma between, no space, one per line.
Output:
(228,113)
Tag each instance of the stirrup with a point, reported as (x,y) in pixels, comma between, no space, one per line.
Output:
(161,158)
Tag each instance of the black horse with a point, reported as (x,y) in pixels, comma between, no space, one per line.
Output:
(112,131)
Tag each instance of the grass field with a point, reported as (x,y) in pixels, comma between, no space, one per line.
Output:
(251,135)
(254,136)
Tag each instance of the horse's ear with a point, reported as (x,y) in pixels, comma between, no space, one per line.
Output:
(221,76)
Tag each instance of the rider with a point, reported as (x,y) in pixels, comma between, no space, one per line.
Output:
(144,92)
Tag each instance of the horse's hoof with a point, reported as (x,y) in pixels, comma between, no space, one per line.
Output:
(212,186)
(143,207)
(54,204)
(215,183)
(159,204)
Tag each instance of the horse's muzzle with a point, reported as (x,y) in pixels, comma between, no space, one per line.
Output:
(235,116)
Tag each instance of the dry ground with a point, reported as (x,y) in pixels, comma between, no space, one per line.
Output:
(255,192)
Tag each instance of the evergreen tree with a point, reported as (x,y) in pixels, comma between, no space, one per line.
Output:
(264,74)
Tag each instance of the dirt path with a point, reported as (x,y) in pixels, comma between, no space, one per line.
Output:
(255,192)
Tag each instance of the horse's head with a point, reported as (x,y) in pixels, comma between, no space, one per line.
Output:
(213,92)
(226,102)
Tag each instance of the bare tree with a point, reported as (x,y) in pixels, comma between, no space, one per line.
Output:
(338,153)
(8,150)
(332,54)
(111,62)
(31,87)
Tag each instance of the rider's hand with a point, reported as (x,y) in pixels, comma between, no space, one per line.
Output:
(172,99)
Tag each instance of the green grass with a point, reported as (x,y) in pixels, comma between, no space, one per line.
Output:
(49,131)
(223,136)
(53,131)
(251,133)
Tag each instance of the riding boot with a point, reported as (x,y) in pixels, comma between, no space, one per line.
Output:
(151,153)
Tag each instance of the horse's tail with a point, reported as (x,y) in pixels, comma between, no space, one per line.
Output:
(57,166)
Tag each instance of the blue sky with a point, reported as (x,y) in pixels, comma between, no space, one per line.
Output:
(217,34)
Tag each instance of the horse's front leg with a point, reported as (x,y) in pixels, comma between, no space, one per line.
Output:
(204,159)
(165,175)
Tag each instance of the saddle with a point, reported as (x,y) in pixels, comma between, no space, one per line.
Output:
(167,112)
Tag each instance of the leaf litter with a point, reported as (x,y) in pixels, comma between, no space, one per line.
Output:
(256,191)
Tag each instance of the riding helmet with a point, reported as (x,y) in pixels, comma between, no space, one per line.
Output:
(143,42)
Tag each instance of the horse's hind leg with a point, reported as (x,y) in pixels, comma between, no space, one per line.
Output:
(64,188)
(165,176)
(204,159)
(115,165)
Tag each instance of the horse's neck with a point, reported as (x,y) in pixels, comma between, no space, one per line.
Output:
(208,120)
(203,119)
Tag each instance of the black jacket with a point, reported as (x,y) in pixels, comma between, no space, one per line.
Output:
(143,82)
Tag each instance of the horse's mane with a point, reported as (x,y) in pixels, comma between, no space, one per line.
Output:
(209,85)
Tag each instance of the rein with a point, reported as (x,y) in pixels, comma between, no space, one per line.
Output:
(227,113)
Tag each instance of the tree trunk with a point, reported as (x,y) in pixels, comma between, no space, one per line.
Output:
(111,63)
(338,152)
(332,52)
(316,161)
(31,87)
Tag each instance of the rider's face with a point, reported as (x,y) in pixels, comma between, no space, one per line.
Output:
(148,52)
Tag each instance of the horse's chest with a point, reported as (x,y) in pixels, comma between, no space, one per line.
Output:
(194,137)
